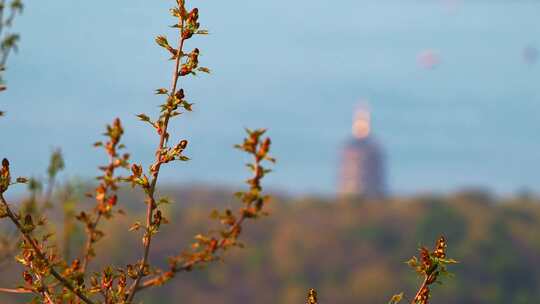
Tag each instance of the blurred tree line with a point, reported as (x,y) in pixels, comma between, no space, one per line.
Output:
(350,250)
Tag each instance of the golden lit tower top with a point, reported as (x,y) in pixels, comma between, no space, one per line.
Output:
(361,126)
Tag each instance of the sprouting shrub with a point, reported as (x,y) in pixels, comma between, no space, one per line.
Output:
(429,265)
(57,278)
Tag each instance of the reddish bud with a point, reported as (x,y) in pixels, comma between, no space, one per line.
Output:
(75,264)
(112,200)
(186,34)
(185,70)
(213,245)
(5,163)
(136,170)
(28,278)
(183,144)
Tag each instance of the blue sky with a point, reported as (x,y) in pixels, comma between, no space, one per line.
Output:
(297,68)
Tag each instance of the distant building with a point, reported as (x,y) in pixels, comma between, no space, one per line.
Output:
(362,169)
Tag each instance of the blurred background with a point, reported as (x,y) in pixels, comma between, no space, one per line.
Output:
(392,122)
(452,86)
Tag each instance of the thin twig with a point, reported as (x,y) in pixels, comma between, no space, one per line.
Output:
(91,228)
(187,266)
(150,196)
(16,290)
(424,284)
(88,244)
(45,292)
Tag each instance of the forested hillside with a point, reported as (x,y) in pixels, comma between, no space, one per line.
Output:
(351,251)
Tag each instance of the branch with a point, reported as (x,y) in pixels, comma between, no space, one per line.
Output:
(209,246)
(431,265)
(105,192)
(187,266)
(88,244)
(16,290)
(28,238)
(151,202)
(421,290)
(44,290)
(312,297)
(7,40)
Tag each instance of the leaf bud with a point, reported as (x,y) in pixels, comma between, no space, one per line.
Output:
(143,117)
(136,170)
(179,94)
(183,144)
(22,180)
(5,163)
(28,220)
